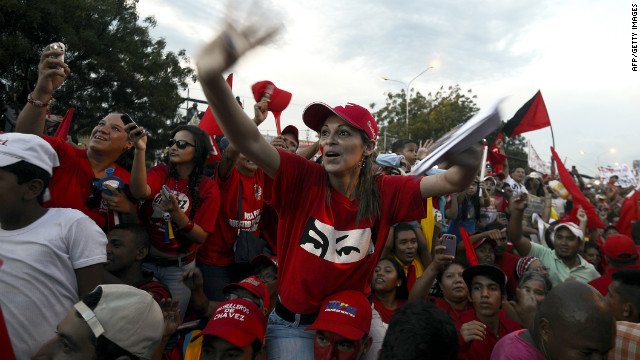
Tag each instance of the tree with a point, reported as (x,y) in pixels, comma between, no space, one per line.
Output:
(429,117)
(115,65)
(432,116)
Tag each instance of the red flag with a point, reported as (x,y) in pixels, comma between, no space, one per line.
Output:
(579,200)
(629,212)
(276,115)
(210,125)
(63,128)
(278,99)
(531,116)
(472,259)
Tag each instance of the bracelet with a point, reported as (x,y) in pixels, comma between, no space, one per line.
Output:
(38,103)
(187,228)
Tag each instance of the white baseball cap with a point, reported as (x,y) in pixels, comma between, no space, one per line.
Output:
(15,147)
(127,316)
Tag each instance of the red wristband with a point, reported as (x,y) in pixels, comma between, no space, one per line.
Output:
(187,228)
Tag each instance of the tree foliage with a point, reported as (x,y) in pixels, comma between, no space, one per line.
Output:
(429,117)
(115,65)
(433,115)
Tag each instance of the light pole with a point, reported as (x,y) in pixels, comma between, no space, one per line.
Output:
(407,85)
(612,150)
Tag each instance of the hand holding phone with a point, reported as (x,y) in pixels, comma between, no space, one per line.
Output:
(166,193)
(449,241)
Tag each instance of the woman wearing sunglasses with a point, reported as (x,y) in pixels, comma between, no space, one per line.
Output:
(180,217)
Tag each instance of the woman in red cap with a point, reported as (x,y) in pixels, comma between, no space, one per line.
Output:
(334,217)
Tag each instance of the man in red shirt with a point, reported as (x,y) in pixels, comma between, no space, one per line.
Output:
(481,327)
(620,252)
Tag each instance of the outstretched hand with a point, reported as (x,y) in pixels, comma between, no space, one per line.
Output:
(171,315)
(230,45)
(423,149)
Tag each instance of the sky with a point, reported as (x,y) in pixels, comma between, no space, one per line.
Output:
(577,53)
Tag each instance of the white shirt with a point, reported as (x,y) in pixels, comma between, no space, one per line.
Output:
(38,284)
(516,187)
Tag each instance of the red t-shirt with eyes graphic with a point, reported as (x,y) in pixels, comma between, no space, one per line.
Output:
(151,213)
(320,248)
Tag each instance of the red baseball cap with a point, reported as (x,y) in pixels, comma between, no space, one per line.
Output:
(290,129)
(264,259)
(279,99)
(346,313)
(620,247)
(316,113)
(255,286)
(238,321)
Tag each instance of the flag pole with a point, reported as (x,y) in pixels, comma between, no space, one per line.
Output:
(553,139)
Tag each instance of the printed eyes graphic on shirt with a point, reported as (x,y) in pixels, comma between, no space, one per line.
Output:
(183,203)
(341,247)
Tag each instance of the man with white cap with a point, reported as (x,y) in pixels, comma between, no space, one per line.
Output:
(51,257)
(564,262)
(112,322)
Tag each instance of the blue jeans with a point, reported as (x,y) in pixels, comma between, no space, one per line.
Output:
(286,340)
(170,276)
(215,278)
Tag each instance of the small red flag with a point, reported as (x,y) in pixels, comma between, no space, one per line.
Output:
(531,116)
(579,200)
(472,259)
(495,158)
(63,128)
(210,125)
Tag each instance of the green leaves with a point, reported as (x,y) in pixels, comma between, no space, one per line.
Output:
(115,65)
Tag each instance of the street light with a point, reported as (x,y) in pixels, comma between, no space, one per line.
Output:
(612,150)
(407,85)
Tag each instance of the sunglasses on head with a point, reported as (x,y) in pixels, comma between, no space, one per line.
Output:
(181,144)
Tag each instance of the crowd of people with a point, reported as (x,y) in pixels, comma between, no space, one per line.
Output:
(286,254)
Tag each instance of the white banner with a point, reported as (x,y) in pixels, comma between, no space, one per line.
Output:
(536,163)
(625,176)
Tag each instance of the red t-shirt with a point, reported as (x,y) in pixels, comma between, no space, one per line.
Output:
(455,314)
(218,249)
(320,248)
(507,263)
(151,214)
(72,182)
(481,350)
(385,313)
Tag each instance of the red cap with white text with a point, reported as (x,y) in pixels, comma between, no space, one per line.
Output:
(316,113)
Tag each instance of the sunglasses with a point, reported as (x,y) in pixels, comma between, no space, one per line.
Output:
(181,144)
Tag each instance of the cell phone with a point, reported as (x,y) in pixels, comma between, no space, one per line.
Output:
(449,241)
(56,46)
(126,119)
(166,193)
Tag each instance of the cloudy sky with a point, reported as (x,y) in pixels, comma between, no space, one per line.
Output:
(578,53)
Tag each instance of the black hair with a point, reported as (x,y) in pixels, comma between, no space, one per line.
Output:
(475,202)
(592,245)
(613,263)
(25,171)
(402,292)
(635,232)
(202,144)
(527,185)
(139,232)
(496,225)
(628,285)
(420,330)
(398,228)
(461,261)
(399,145)
(534,275)
(105,349)
(366,189)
